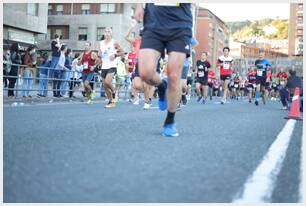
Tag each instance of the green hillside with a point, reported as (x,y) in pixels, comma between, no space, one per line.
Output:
(245,29)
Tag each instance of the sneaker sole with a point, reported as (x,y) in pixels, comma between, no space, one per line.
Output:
(175,135)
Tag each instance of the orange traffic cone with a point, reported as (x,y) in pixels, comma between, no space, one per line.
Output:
(294,112)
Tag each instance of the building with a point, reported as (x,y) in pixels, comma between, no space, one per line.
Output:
(77,23)
(296,29)
(23,22)
(212,34)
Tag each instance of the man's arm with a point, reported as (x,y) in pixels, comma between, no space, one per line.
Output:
(139,12)
(127,36)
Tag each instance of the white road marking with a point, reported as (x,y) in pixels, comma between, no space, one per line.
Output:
(259,187)
(301,189)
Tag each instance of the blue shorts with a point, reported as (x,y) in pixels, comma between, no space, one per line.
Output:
(87,76)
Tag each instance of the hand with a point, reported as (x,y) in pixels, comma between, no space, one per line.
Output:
(139,13)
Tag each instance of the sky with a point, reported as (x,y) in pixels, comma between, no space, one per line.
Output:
(248,11)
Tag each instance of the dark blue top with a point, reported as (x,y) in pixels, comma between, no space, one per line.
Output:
(42,68)
(259,63)
(68,62)
(168,17)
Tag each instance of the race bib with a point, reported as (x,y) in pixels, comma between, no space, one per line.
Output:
(167,4)
(201,74)
(85,65)
(259,72)
(200,67)
(236,85)
(226,65)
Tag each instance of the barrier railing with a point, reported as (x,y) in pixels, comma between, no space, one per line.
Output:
(51,79)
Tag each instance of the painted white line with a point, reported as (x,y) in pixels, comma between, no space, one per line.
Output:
(259,187)
(301,189)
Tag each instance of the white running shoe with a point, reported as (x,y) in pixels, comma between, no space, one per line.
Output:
(136,102)
(146,106)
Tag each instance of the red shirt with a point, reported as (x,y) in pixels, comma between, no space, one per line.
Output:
(132,60)
(88,62)
(226,68)
(136,44)
(282,75)
(211,74)
(252,77)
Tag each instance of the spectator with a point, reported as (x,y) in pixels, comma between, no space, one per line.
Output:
(60,67)
(6,67)
(66,74)
(75,75)
(287,92)
(28,72)
(43,74)
(15,59)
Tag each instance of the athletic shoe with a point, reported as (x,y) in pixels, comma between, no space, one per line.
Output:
(203,101)
(89,101)
(162,102)
(184,100)
(136,102)
(256,102)
(284,108)
(188,97)
(110,105)
(170,130)
(199,98)
(210,98)
(146,106)
(92,95)
(250,101)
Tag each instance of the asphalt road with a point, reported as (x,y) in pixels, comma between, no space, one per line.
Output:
(73,152)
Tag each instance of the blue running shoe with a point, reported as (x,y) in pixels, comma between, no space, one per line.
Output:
(162,102)
(170,130)
(199,98)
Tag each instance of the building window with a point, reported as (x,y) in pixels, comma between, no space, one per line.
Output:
(299,31)
(86,9)
(100,33)
(32,9)
(49,9)
(60,9)
(107,8)
(82,33)
(301,6)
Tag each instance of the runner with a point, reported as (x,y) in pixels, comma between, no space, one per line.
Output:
(261,73)
(165,27)
(274,91)
(202,78)
(225,63)
(268,83)
(89,60)
(138,84)
(216,86)
(185,71)
(211,78)
(109,50)
(251,83)
(236,87)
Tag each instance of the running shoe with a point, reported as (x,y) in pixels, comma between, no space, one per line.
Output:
(136,102)
(146,106)
(162,102)
(256,103)
(184,100)
(110,104)
(92,95)
(89,101)
(199,98)
(250,101)
(210,98)
(170,130)
(203,101)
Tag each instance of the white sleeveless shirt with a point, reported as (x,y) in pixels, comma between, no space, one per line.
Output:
(106,50)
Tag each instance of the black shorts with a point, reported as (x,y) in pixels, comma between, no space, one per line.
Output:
(252,86)
(108,71)
(189,81)
(225,77)
(202,81)
(261,80)
(177,40)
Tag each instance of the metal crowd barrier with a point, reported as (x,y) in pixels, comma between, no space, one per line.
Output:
(51,79)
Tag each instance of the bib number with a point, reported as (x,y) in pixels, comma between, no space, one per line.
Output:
(226,65)
(85,65)
(201,74)
(236,85)
(259,72)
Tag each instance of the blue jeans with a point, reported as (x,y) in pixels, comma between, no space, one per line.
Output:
(54,62)
(64,82)
(57,75)
(43,85)
(284,95)
(27,83)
